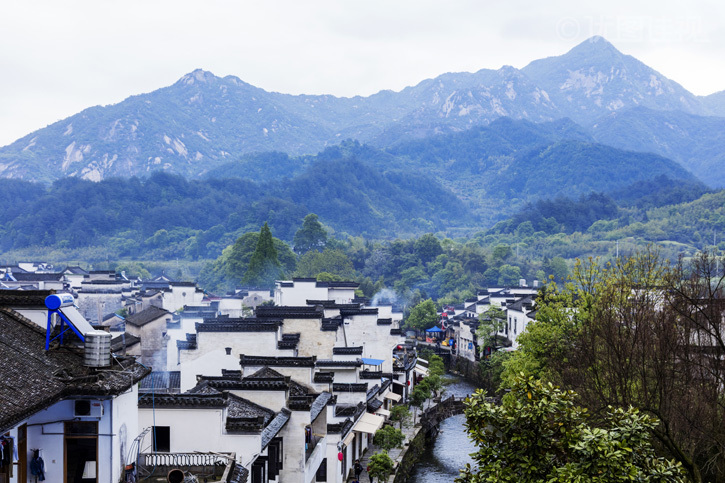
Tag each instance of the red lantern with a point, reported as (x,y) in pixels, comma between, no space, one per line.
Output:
(407,382)
(339,456)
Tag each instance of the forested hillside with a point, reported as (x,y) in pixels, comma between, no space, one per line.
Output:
(167,216)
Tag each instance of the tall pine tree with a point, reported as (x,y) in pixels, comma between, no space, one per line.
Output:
(264,267)
(311,236)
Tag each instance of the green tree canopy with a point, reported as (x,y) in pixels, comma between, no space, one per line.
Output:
(491,322)
(436,367)
(423,316)
(388,438)
(380,466)
(427,247)
(400,413)
(538,434)
(264,266)
(637,333)
(311,235)
(331,261)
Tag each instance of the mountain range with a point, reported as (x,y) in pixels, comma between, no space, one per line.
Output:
(202,123)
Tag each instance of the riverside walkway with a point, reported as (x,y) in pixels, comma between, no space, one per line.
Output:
(426,419)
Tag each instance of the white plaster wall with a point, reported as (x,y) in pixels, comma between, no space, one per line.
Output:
(259,343)
(386,312)
(201,430)
(94,306)
(274,400)
(188,326)
(347,374)
(293,435)
(210,363)
(362,330)
(313,341)
(232,307)
(352,397)
(334,465)
(341,295)
(464,337)
(40,317)
(298,294)
(125,428)
(74,280)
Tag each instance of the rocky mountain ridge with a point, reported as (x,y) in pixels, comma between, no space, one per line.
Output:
(203,121)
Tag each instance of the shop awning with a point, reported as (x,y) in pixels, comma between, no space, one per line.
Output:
(423,371)
(369,423)
(435,329)
(372,362)
(393,396)
(383,412)
(348,439)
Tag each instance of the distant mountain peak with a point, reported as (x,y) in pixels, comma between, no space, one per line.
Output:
(198,76)
(596,45)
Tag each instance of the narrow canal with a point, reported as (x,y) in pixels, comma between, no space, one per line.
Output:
(450,450)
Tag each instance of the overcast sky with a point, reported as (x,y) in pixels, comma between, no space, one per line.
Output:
(60,57)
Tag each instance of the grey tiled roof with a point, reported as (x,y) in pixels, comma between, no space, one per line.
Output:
(239,474)
(245,360)
(331,363)
(348,350)
(290,312)
(37,277)
(350,387)
(147,315)
(319,405)
(244,415)
(118,342)
(340,428)
(366,311)
(275,426)
(161,381)
(324,377)
(24,298)
(239,325)
(189,343)
(33,378)
(374,405)
(373,391)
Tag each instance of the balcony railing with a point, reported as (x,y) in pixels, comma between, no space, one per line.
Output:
(205,465)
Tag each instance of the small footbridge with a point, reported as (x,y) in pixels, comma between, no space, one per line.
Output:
(443,409)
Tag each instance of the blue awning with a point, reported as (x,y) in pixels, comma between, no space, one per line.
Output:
(435,329)
(372,362)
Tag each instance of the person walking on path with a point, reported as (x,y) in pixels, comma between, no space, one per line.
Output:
(357,468)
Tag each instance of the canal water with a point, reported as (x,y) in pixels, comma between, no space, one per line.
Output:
(451,448)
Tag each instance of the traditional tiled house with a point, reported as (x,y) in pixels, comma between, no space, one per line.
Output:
(150,326)
(81,420)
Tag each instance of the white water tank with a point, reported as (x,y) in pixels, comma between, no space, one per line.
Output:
(97,348)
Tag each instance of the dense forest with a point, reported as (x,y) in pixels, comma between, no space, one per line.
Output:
(215,224)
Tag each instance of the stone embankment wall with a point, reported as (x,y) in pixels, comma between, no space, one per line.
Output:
(429,423)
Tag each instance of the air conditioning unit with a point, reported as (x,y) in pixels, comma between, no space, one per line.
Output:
(87,408)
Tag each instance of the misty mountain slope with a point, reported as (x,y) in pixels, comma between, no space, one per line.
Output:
(696,142)
(715,103)
(480,148)
(572,168)
(202,121)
